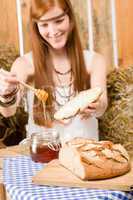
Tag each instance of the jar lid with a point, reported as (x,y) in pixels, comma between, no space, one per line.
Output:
(47,133)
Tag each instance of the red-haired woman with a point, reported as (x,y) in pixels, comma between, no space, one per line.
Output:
(57,63)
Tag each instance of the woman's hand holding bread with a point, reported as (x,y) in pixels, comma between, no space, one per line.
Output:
(91,110)
(94,109)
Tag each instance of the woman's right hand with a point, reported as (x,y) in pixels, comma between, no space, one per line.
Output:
(8,83)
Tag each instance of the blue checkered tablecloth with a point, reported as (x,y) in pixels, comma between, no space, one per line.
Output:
(17,174)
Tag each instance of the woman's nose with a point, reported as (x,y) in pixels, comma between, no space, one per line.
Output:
(52,30)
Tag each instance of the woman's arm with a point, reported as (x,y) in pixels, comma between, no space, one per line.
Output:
(19,71)
(98,70)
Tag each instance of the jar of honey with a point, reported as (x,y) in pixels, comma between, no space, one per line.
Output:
(44,146)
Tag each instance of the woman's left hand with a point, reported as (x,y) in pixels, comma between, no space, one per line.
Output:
(91,110)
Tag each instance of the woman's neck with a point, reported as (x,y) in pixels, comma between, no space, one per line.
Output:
(58,53)
(60,59)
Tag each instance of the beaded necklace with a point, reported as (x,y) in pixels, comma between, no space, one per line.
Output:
(62,73)
(68,95)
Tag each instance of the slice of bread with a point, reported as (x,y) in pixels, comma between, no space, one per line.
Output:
(79,102)
(91,160)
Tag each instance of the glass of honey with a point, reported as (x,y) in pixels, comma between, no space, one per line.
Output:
(44,146)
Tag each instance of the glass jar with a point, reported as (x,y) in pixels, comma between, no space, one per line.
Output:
(44,146)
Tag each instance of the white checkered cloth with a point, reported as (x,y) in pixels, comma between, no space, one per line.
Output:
(17,179)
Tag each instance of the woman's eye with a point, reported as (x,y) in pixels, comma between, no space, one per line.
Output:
(43,25)
(59,21)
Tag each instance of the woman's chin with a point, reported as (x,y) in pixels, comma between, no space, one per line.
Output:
(58,46)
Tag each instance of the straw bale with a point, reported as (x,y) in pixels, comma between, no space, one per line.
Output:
(117,122)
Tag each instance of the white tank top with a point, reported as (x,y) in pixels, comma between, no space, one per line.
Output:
(87,128)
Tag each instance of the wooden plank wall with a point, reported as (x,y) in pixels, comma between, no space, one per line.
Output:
(103,30)
(82,16)
(9,26)
(124,15)
(8,22)
(102,27)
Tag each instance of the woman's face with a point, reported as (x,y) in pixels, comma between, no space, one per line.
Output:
(54,27)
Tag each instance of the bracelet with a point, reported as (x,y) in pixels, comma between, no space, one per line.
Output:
(9,103)
(10,95)
(6,100)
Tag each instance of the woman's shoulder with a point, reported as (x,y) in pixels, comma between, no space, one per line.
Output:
(92,58)
(91,55)
(23,66)
(28,58)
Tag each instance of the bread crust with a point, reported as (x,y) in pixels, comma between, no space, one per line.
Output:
(91,160)
(78,103)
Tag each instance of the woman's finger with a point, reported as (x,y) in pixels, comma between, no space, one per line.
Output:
(65,121)
(12,80)
(8,76)
(87,110)
(85,116)
(93,105)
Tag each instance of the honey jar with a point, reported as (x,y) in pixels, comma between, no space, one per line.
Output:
(44,146)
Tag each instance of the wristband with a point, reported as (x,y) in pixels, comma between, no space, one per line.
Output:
(13,93)
(9,103)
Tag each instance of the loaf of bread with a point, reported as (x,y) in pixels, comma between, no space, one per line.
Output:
(91,160)
(79,102)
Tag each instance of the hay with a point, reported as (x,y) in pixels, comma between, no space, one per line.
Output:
(7,56)
(117,122)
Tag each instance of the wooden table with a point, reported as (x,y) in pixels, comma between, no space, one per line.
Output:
(8,152)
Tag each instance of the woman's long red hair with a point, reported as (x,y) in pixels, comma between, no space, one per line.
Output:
(42,62)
